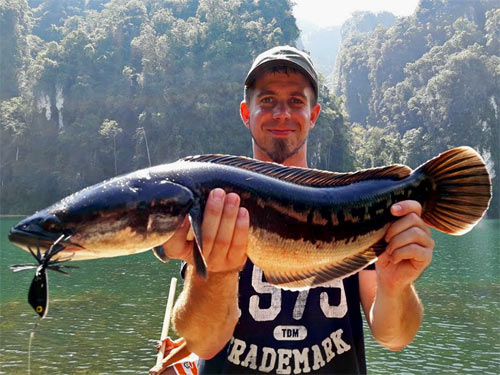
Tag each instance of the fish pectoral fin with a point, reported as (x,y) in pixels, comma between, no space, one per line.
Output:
(321,277)
(159,252)
(195,218)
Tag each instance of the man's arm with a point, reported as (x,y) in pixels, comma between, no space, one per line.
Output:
(206,312)
(391,304)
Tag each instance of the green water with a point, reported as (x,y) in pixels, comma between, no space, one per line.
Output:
(106,318)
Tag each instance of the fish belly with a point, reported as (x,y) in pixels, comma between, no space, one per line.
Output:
(118,237)
(108,245)
(288,261)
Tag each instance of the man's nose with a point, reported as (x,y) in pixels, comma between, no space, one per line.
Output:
(281,111)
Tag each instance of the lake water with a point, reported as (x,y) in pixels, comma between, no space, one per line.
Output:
(107,317)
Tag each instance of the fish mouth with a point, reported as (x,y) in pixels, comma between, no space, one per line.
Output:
(25,239)
(32,235)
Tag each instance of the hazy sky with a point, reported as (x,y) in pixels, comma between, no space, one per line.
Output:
(335,12)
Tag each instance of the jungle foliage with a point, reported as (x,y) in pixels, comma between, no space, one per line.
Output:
(427,83)
(91,89)
(94,88)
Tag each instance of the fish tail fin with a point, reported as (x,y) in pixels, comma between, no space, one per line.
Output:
(461,190)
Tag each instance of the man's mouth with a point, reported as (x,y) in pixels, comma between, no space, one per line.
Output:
(280,132)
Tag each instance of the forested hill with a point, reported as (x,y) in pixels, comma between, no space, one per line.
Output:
(91,89)
(427,83)
(94,88)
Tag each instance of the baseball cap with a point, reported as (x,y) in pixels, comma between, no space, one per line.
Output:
(284,56)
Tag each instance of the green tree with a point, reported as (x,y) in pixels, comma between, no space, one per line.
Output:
(14,28)
(430,82)
(110,130)
(169,72)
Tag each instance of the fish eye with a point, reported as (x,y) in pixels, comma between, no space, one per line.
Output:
(51,224)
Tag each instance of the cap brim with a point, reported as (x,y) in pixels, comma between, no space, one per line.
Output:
(258,70)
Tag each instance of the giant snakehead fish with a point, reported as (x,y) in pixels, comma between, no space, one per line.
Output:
(307,226)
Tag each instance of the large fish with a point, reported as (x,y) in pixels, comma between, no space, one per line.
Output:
(306,226)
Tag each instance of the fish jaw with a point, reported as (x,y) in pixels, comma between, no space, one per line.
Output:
(32,233)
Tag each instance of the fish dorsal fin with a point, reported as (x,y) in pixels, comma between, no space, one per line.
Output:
(304,176)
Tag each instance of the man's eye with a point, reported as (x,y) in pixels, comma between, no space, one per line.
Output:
(266,100)
(297,101)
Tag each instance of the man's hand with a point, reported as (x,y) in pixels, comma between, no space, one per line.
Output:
(409,248)
(224,231)
(206,312)
(389,299)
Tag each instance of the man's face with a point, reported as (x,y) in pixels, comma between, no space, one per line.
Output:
(279,115)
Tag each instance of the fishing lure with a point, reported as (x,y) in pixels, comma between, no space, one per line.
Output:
(38,295)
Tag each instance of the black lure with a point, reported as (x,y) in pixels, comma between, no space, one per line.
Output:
(38,295)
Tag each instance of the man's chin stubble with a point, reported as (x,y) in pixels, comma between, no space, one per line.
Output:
(280,150)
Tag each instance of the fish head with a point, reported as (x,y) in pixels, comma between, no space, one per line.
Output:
(40,230)
(117,217)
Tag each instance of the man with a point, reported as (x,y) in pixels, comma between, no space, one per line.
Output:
(238,322)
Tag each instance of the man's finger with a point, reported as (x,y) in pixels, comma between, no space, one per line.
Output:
(225,231)
(211,219)
(238,254)
(405,207)
(414,235)
(176,244)
(416,253)
(405,223)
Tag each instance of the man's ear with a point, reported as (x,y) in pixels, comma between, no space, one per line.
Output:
(245,114)
(314,115)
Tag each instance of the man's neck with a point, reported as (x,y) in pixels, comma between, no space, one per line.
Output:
(295,162)
(298,159)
